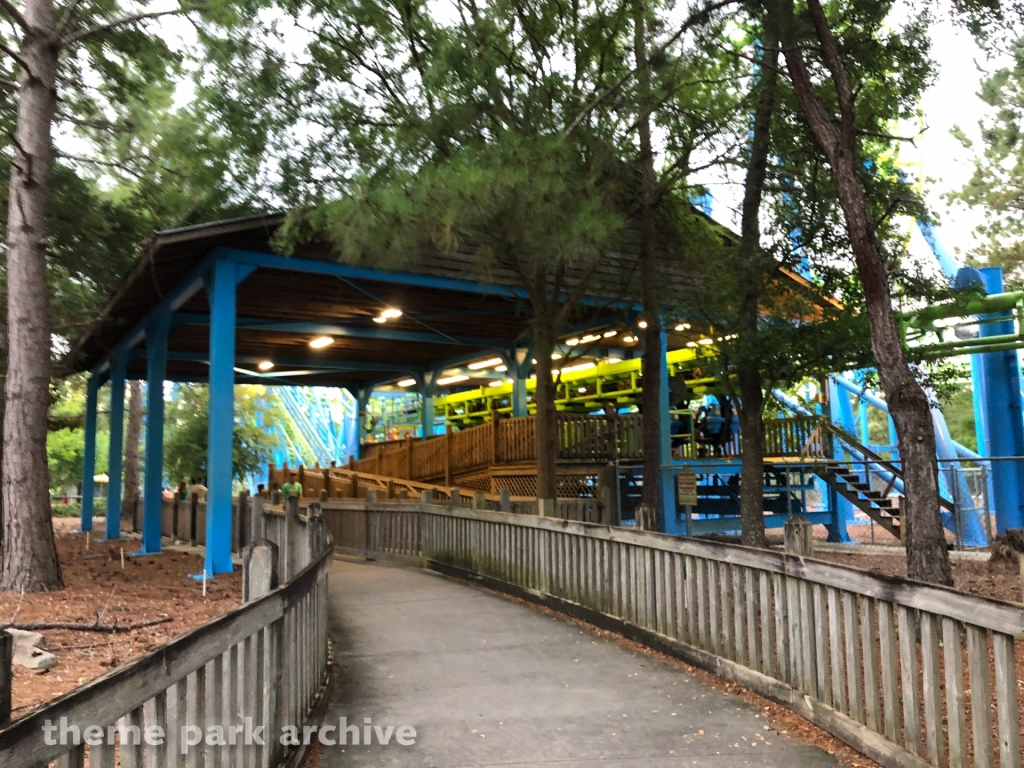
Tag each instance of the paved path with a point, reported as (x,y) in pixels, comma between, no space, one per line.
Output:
(486,682)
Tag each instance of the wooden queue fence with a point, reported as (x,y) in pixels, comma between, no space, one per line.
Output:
(266,660)
(583,439)
(910,674)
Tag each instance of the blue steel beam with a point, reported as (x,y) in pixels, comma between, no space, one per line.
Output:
(349,331)
(350,272)
(221,292)
(89,459)
(156,370)
(301,362)
(115,455)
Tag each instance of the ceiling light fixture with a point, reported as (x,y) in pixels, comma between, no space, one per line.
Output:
(452,380)
(705,342)
(496,383)
(407,382)
(642,324)
(572,342)
(628,339)
(610,334)
(556,356)
(683,327)
(484,363)
(501,368)
(578,367)
(391,313)
(266,365)
(590,337)
(321,341)
(614,360)
(380,319)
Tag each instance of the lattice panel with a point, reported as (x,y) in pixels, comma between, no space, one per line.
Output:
(572,486)
(478,481)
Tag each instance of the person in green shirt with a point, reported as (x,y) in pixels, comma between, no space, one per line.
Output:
(292,488)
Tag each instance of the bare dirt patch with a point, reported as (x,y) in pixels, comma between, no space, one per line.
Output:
(146,589)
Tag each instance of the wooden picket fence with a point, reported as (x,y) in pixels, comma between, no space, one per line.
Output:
(910,674)
(266,660)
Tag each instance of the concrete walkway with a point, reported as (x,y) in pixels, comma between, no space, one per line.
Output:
(486,682)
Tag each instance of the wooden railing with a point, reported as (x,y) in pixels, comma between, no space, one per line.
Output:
(895,668)
(582,439)
(266,660)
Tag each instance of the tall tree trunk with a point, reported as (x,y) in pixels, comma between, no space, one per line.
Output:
(130,502)
(653,353)
(754,263)
(546,419)
(927,557)
(30,554)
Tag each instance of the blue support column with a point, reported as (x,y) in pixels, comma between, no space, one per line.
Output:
(156,371)
(115,456)
(221,294)
(427,391)
(841,414)
(518,364)
(89,460)
(668,486)
(1005,421)
(363,395)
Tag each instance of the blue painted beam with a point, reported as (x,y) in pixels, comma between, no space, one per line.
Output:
(221,293)
(1005,419)
(176,298)
(349,331)
(115,455)
(350,272)
(301,362)
(89,458)
(156,371)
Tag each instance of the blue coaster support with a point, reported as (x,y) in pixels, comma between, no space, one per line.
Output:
(220,289)
(363,395)
(428,388)
(667,479)
(115,456)
(518,363)
(156,372)
(1004,419)
(89,458)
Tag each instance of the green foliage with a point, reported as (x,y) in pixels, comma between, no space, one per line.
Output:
(997,184)
(186,424)
(65,440)
(958,408)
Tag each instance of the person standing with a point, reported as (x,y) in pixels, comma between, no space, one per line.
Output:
(292,488)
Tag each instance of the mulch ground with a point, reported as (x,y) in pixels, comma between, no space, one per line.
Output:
(147,588)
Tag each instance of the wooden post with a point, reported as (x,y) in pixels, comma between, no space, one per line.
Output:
(380,462)
(427,496)
(495,434)
(391,489)
(260,574)
(448,455)
(257,524)
(6,677)
(456,497)
(323,494)
(175,506)
(316,531)
(291,514)
(351,463)
(275,498)
(479,501)
(354,489)
(408,458)
(302,479)
(327,483)
(244,518)
(371,497)
(799,537)
(505,500)
(194,512)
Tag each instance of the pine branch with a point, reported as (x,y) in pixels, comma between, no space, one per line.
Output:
(696,18)
(15,15)
(98,29)
(95,627)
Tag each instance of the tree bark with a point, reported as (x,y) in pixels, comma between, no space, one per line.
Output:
(546,418)
(648,232)
(30,555)
(754,263)
(130,502)
(927,556)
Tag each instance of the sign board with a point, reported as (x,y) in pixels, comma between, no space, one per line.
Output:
(686,488)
